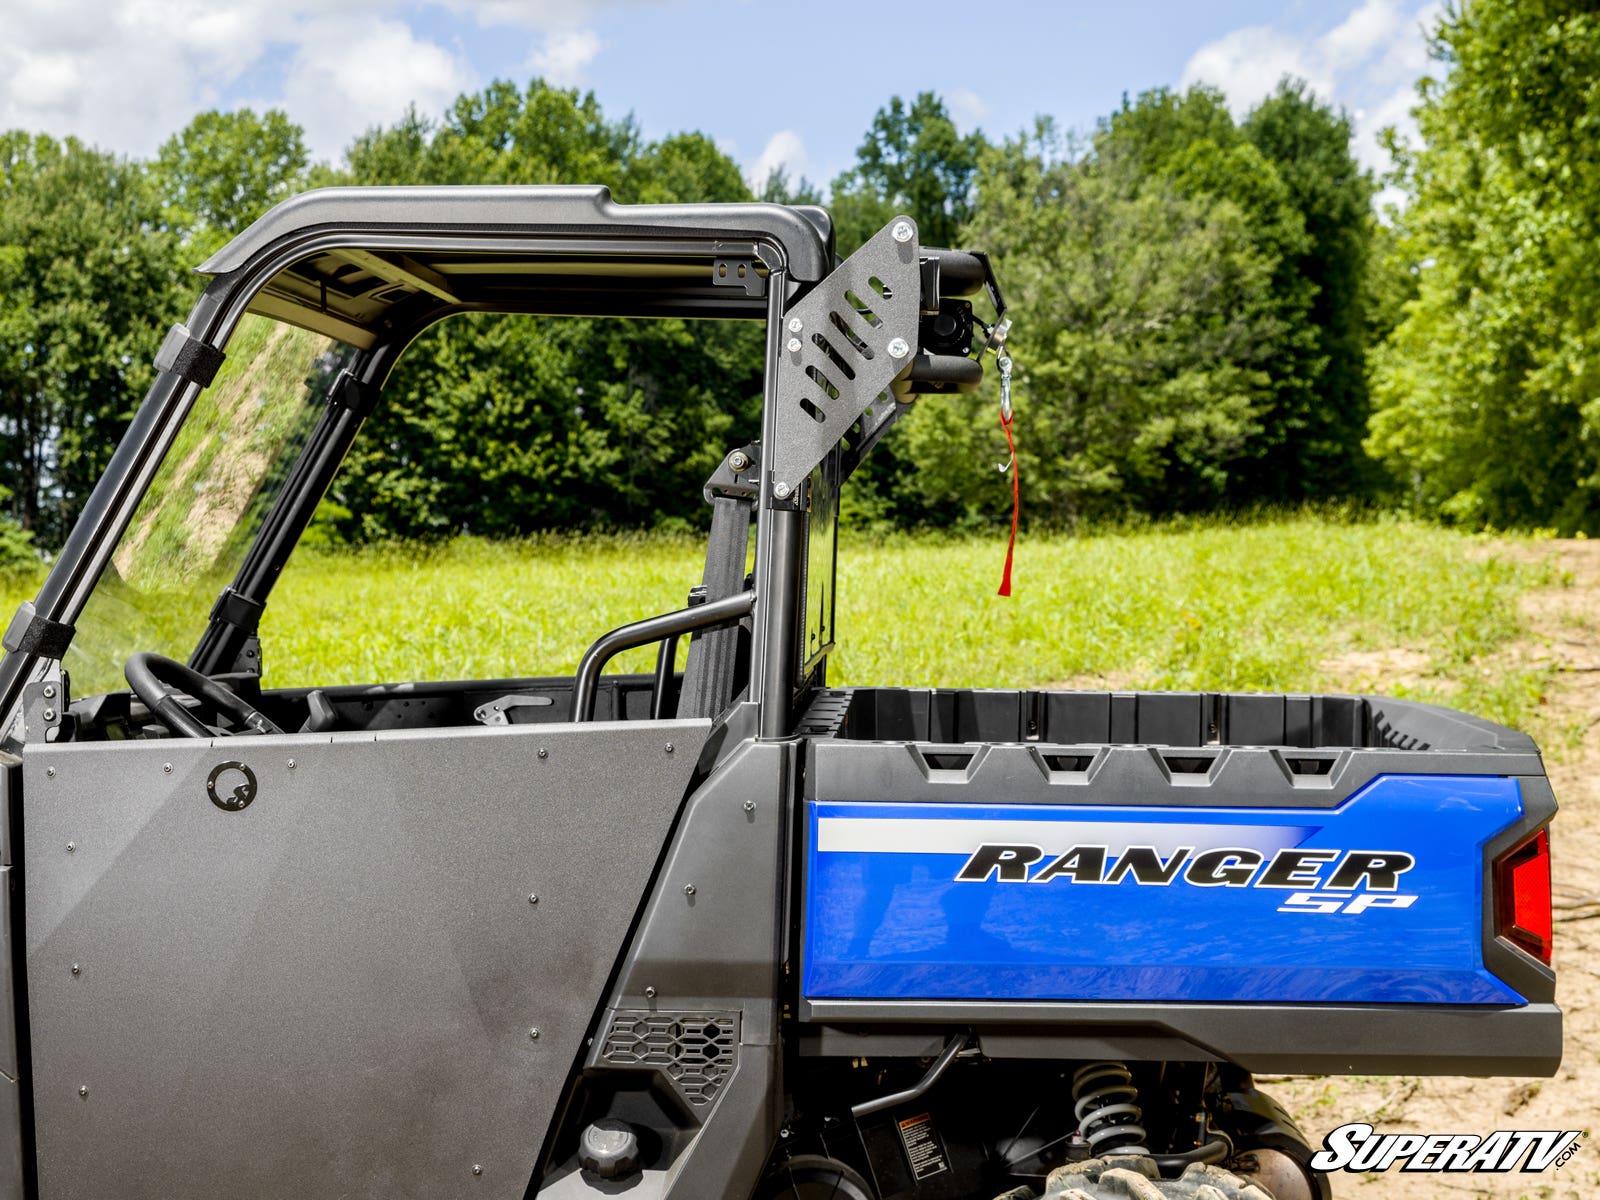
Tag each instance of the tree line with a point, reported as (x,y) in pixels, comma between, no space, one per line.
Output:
(1209,314)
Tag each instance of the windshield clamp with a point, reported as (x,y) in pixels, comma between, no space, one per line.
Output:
(186,356)
(31,633)
(350,393)
(239,611)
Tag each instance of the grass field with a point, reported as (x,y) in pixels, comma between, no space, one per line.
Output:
(1270,604)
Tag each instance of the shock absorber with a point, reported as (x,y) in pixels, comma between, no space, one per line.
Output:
(1106,1105)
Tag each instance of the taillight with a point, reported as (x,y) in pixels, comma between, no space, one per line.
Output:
(1522,895)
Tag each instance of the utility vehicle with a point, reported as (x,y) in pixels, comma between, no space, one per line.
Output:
(719,932)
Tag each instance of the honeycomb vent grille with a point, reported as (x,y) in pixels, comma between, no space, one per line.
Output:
(695,1051)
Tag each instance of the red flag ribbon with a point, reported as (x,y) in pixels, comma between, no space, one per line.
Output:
(1016,506)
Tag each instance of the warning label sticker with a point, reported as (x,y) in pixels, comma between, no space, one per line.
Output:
(924,1150)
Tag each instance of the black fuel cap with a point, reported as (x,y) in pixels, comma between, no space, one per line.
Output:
(609,1148)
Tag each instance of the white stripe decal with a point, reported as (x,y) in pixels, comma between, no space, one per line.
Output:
(908,835)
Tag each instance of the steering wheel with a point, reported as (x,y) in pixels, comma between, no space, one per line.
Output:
(150,675)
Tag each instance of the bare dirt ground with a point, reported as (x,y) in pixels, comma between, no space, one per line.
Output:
(1565,629)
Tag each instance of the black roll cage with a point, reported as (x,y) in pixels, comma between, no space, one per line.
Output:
(375,267)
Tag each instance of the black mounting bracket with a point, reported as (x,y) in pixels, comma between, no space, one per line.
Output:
(186,356)
(32,633)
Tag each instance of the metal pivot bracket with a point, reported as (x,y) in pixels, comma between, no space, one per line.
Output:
(737,475)
(44,709)
(843,345)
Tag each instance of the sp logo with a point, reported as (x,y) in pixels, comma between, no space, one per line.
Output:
(231,786)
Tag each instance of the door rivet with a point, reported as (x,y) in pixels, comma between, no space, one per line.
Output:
(533,897)
(71,846)
(291,764)
(749,806)
(167,768)
(533,1033)
(543,753)
(476,1169)
(50,772)
(649,993)
(76,969)
(688,889)
(669,747)
(83,1091)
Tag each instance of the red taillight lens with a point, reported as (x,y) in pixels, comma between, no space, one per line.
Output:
(1522,895)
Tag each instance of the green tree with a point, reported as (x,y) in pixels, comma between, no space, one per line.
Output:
(1485,394)
(1189,139)
(505,424)
(1308,143)
(912,161)
(224,170)
(88,284)
(1144,338)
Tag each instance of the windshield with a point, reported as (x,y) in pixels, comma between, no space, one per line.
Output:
(218,481)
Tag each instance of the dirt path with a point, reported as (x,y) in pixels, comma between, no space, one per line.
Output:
(1565,622)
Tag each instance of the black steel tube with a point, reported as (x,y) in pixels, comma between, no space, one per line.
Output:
(641,633)
(285,523)
(666,659)
(941,1064)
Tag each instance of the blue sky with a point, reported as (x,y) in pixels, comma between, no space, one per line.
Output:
(772,83)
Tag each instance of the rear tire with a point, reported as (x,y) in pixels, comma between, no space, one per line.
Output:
(1131,1177)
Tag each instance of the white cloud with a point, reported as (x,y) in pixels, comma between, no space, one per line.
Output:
(126,74)
(1369,63)
(350,73)
(783,149)
(966,106)
(562,57)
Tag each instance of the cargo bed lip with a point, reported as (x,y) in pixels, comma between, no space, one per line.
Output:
(1415,1039)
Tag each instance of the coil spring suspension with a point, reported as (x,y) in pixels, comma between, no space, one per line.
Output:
(1106,1105)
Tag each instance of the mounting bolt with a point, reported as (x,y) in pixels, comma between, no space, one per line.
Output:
(50,688)
(781,490)
(795,326)
(76,969)
(49,714)
(649,993)
(533,897)
(166,768)
(543,753)
(898,348)
(902,231)
(83,1091)
(533,1034)
(738,460)
(669,747)
(793,345)
(749,806)
(688,889)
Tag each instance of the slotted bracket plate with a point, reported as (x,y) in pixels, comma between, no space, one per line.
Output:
(835,359)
